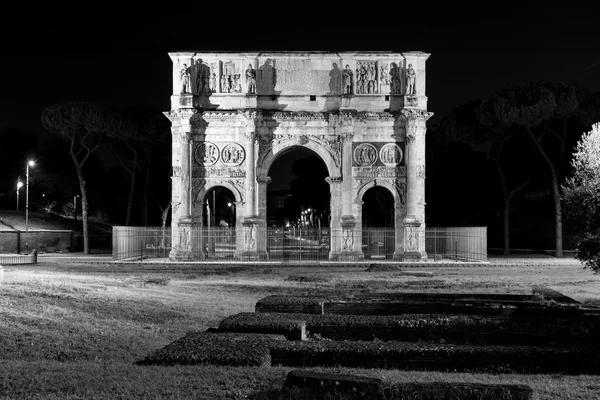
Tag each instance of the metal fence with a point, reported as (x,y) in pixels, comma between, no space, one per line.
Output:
(219,243)
(14,259)
(457,243)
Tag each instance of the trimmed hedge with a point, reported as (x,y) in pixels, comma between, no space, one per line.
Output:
(423,303)
(440,357)
(216,348)
(291,326)
(436,328)
(291,304)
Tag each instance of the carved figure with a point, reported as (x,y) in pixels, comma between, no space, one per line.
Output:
(347,80)
(213,82)
(251,79)
(237,84)
(199,82)
(371,82)
(384,74)
(361,80)
(184,74)
(410,80)
(395,79)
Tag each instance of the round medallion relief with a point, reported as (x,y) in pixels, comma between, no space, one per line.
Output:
(365,155)
(206,153)
(390,154)
(233,154)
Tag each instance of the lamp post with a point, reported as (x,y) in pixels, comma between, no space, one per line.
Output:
(29,164)
(75,206)
(19,185)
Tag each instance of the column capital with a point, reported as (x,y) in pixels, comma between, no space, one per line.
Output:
(414,119)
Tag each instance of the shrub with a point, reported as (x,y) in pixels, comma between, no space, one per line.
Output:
(233,349)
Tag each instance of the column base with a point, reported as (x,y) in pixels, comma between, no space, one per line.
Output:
(181,255)
(351,256)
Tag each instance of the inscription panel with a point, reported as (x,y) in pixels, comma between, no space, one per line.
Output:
(307,77)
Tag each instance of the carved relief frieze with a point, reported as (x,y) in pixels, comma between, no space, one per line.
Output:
(233,154)
(374,116)
(384,74)
(365,155)
(366,77)
(231,172)
(201,77)
(378,172)
(197,185)
(411,238)
(250,238)
(401,190)
(395,78)
(206,153)
(348,239)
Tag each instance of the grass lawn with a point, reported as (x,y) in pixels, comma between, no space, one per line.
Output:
(74,330)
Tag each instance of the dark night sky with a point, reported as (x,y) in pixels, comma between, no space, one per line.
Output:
(119,56)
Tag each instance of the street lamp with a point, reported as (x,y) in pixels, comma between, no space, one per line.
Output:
(19,186)
(30,163)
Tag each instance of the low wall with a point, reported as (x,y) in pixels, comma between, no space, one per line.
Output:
(45,241)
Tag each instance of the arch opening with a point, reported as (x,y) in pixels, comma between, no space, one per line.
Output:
(219,207)
(298,194)
(378,208)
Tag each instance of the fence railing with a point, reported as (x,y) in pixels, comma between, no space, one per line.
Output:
(14,259)
(219,243)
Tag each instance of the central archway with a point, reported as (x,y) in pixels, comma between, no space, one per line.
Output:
(298,205)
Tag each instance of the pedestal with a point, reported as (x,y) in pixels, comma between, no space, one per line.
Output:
(184,248)
(411,240)
(250,245)
(348,253)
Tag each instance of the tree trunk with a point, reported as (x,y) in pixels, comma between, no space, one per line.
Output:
(555,195)
(507,201)
(165,215)
(84,203)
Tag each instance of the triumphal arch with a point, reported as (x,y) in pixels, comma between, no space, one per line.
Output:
(363,113)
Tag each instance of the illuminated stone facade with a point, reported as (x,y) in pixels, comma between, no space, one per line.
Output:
(363,113)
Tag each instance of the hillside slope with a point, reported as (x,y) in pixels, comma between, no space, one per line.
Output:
(10,220)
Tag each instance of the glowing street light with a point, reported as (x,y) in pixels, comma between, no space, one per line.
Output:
(30,163)
(19,186)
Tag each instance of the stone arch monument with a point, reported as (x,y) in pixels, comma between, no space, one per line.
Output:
(363,113)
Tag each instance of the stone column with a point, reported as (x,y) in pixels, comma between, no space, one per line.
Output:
(263,181)
(414,220)
(335,228)
(182,243)
(251,221)
(348,219)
